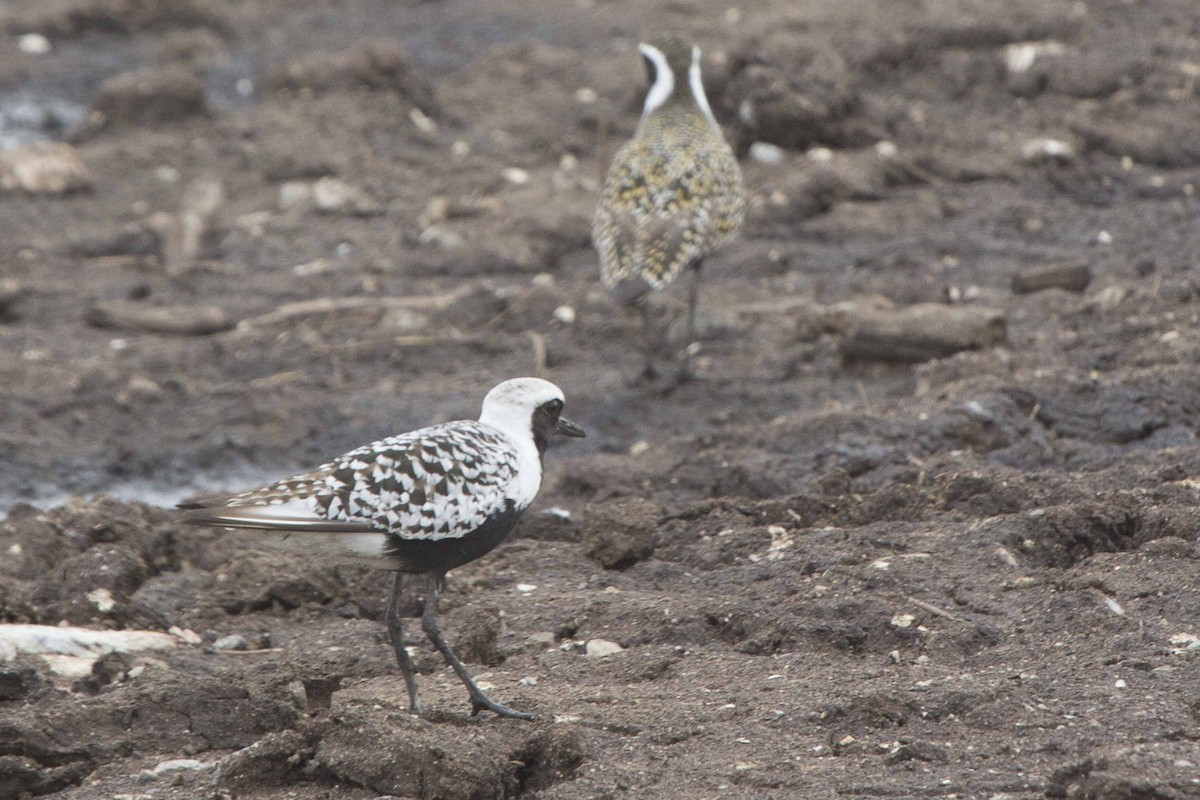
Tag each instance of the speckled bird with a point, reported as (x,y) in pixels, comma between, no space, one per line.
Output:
(673,193)
(421,502)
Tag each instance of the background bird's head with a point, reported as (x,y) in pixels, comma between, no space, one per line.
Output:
(673,73)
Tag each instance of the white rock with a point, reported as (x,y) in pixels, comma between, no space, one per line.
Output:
(886,149)
(330,194)
(516,176)
(34,44)
(766,153)
(102,599)
(564,314)
(598,648)
(49,639)
(422,122)
(586,95)
(294,194)
(1038,150)
(179,765)
(903,620)
(1020,57)
(822,155)
(441,236)
(186,634)
(233,641)
(526,588)
(43,168)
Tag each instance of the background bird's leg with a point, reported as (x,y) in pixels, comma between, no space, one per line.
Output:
(689,342)
(396,632)
(479,700)
(693,299)
(648,341)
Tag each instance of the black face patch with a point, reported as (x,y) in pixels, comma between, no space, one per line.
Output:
(545,422)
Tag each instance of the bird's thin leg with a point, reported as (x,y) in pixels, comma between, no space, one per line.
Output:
(693,300)
(479,700)
(396,632)
(649,373)
(689,344)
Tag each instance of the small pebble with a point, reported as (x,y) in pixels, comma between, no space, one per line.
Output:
(516,176)
(766,153)
(34,44)
(234,641)
(528,680)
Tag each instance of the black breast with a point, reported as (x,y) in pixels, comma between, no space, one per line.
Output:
(439,555)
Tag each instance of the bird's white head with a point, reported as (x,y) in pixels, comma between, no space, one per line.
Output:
(528,407)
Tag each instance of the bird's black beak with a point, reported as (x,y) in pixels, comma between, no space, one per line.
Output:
(568,428)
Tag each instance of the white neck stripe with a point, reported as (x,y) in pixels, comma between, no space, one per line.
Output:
(664,80)
(698,86)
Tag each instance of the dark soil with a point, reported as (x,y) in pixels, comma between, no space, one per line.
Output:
(970,577)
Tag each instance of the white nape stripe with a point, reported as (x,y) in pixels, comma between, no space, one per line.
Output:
(698,87)
(664,79)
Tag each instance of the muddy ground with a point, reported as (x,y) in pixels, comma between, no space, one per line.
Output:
(969,577)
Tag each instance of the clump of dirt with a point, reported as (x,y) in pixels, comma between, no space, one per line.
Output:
(151,96)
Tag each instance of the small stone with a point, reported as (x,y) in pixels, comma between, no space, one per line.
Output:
(516,176)
(179,765)
(766,153)
(586,95)
(441,236)
(1036,151)
(903,620)
(334,196)
(298,694)
(526,588)
(46,168)
(598,648)
(528,680)
(422,122)
(542,640)
(142,388)
(34,44)
(294,194)
(234,641)
(187,635)
(102,599)
(565,314)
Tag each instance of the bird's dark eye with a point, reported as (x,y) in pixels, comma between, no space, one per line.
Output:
(554,406)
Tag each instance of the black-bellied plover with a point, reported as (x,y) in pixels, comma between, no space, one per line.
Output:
(673,193)
(419,503)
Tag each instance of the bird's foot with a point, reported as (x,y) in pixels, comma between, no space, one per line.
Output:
(481,702)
